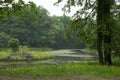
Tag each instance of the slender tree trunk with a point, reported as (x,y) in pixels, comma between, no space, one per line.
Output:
(99,30)
(107,33)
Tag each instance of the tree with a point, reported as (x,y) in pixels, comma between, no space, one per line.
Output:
(4,39)
(17,17)
(13,43)
(104,22)
(116,33)
(8,7)
(85,18)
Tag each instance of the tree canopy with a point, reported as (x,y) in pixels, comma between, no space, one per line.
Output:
(33,27)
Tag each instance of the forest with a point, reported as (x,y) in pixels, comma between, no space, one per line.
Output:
(37,46)
(36,31)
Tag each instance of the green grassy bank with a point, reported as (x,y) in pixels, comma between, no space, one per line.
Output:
(72,69)
(36,55)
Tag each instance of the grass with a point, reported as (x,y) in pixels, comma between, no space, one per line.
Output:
(4,54)
(40,55)
(37,55)
(72,69)
(40,49)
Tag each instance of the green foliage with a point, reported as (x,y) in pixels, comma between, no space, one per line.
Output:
(13,43)
(45,31)
(8,1)
(34,27)
(4,39)
(10,7)
(85,31)
(115,37)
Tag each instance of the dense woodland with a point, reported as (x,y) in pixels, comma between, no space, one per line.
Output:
(39,30)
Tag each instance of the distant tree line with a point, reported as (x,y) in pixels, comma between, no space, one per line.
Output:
(34,27)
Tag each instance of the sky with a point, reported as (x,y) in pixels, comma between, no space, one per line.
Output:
(53,9)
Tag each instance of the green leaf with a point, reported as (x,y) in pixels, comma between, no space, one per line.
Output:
(59,1)
(73,2)
(8,1)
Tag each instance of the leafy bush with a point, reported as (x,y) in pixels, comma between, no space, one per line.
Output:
(13,43)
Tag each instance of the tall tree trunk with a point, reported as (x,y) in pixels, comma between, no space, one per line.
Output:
(107,33)
(104,31)
(99,30)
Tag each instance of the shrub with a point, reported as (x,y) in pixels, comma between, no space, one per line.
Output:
(13,43)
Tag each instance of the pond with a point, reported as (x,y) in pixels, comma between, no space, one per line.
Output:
(60,57)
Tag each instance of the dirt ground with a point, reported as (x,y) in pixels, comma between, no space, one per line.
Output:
(64,78)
